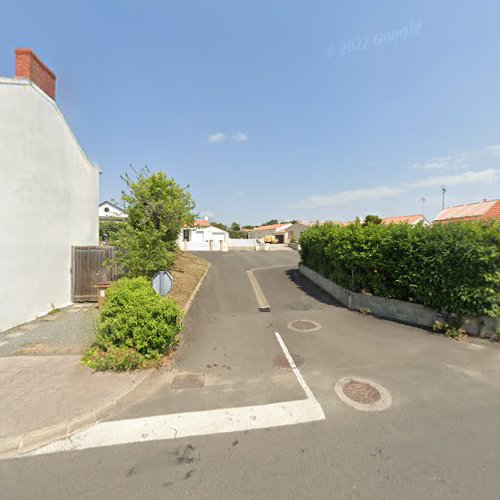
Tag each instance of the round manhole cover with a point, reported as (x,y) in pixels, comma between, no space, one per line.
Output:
(363,394)
(304,325)
(281,360)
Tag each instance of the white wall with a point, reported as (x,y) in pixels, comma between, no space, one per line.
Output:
(200,238)
(48,203)
(241,243)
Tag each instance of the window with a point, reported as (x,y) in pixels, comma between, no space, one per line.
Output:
(106,209)
(185,234)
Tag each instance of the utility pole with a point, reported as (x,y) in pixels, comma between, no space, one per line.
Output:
(423,205)
(443,192)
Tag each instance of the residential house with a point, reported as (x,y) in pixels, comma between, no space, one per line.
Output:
(279,233)
(413,220)
(49,193)
(110,211)
(203,237)
(484,210)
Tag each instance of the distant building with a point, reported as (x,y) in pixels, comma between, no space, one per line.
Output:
(484,210)
(413,220)
(49,193)
(108,210)
(280,233)
(203,237)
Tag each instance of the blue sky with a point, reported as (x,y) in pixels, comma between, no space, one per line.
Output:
(279,109)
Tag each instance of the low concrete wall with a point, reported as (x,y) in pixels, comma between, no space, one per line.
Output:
(398,310)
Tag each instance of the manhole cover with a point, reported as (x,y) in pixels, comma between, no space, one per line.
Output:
(361,392)
(189,381)
(281,360)
(304,325)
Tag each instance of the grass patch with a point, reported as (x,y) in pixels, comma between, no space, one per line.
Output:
(187,272)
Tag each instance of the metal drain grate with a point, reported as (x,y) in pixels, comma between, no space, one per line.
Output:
(361,392)
(189,381)
(304,325)
(281,360)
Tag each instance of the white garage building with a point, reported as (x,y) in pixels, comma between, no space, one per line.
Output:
(203,237)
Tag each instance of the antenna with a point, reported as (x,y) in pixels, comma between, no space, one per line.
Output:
(443,192)
(423,200)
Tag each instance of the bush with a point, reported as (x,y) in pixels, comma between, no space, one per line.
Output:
(136,326)
(453,268)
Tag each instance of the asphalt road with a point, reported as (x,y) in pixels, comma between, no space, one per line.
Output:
(438,439)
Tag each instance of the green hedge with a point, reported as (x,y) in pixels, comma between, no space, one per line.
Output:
(136,326)
(454,268)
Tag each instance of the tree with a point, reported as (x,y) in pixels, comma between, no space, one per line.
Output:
(271,222)
(235,227)
(220,225)
(108,229)
(372,219)
(157,209)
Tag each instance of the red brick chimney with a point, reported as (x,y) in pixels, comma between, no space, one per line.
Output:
(29,66)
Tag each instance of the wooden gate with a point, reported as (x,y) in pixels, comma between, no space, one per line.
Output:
(88,269)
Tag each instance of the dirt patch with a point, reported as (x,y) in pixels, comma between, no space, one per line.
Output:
(187,271)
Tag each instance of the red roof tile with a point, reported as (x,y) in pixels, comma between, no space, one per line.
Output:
(484,210)
(408,219)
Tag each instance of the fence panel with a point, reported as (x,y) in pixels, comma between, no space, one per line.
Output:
(241,243)
(88,269)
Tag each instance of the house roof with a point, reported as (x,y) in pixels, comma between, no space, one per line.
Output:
(481,210)
(408,219)
(112,205)
(269,227)
(202,223)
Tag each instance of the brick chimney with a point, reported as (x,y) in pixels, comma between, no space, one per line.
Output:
(29,66)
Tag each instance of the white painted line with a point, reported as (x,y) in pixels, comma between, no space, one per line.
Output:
(196,423)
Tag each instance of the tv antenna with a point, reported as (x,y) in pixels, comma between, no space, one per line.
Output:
(423,200)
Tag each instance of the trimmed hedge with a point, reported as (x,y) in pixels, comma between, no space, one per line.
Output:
(136,326)
(454,268)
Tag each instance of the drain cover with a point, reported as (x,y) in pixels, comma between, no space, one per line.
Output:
(281,360)
(189,381)
(304,325)
(361,392)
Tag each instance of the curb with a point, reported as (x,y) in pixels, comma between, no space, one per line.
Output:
(22,443)
(13,446)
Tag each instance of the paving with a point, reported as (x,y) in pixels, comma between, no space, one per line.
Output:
(434,436)
(45,392)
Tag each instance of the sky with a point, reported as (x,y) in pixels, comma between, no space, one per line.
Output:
(279,109)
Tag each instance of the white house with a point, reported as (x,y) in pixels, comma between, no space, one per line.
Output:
(108,210)
(49,193)
(203,237)
(280,233)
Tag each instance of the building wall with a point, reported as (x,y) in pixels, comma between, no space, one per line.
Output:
(49,202)
(200,238)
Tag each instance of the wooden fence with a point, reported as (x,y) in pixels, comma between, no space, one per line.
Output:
(88,269)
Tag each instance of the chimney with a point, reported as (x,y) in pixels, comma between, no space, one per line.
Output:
(29,66)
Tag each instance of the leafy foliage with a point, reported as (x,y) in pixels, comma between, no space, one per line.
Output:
(136,320)
(453,267)
(157,209)
(270,222)
(109,229)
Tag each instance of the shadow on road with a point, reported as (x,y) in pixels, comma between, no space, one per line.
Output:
(309,288)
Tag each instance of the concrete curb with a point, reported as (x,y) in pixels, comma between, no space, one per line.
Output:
(19,444)
(396,310)
(197,289)
(259,294)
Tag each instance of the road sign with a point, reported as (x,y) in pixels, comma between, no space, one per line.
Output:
(162,282)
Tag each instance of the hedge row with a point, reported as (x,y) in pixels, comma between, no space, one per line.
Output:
(454,268)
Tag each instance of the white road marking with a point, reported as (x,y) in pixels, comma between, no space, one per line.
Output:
(259,294)
(195,423)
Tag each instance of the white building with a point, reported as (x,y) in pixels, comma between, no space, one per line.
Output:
(108,210)
(203,237)
(49,194)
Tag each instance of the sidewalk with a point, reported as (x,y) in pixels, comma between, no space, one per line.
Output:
(45,392)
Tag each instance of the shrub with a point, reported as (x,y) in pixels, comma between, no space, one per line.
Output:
(136,326)
(453,268)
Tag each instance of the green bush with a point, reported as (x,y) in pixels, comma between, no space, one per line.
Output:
(136,326)
(453,268)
